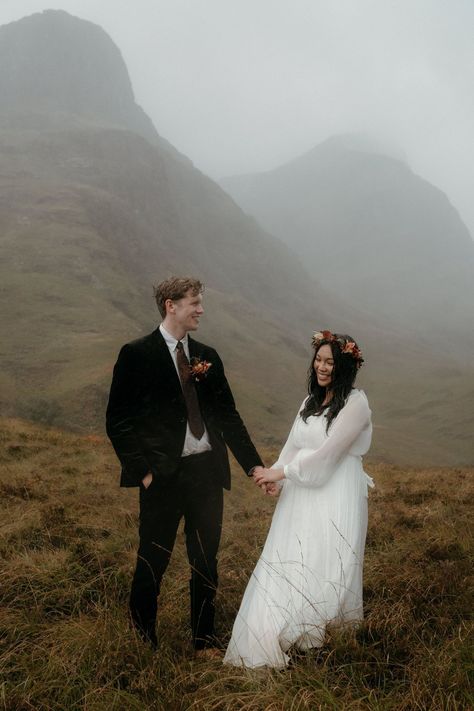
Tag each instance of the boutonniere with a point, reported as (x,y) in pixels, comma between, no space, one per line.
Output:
(199,369)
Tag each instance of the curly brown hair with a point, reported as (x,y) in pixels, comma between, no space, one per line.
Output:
(175,288)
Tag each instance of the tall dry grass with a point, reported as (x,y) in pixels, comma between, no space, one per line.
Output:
(68,538)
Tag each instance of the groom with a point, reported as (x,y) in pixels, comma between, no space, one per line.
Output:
(170,415)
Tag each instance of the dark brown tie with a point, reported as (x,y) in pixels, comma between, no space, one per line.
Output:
(196,424)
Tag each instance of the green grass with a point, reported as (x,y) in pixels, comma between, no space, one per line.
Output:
(67,554)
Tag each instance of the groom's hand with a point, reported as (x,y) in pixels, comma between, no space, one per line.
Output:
(256,471)
(147,479)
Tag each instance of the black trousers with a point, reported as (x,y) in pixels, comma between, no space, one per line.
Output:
(195,494)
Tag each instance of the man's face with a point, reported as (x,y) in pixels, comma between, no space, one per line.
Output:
(187,311)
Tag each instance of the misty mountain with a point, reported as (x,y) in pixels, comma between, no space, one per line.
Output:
(52,67)
(95,207)
(375,233)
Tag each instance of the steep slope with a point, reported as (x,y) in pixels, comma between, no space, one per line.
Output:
(94,211)
(89,221)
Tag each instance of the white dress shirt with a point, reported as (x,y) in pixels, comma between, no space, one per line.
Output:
(192,445)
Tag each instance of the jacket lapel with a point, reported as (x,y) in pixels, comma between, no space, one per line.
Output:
(162,361)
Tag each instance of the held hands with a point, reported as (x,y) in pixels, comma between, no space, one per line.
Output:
(267,476)
(266,479)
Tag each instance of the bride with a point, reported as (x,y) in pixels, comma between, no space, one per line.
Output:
(309,575)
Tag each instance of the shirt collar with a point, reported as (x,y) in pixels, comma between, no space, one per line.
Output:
(170,340)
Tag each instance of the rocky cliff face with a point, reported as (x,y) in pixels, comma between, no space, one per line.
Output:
(54,67)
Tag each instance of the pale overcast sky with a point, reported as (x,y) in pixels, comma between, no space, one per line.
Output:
(245,85)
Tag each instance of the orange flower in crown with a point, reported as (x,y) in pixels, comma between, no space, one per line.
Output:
(353,349)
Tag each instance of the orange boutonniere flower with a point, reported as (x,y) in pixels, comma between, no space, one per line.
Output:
(199,369)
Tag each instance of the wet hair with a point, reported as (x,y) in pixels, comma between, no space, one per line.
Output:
(343,377)
(175,288)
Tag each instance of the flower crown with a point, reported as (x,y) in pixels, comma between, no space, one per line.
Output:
(345,346)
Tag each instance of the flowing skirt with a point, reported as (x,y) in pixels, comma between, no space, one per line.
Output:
(310,572)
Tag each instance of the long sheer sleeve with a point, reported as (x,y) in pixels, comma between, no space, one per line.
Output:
(313,467)
(289,450)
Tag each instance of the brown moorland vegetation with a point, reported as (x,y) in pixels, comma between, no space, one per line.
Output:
(67,552)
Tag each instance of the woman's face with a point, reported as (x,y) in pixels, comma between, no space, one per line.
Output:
(324,366)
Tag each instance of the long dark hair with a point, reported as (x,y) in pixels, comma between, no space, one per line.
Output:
(343,377)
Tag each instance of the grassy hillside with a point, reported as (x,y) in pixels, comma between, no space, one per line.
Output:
(67,553)
(90,219)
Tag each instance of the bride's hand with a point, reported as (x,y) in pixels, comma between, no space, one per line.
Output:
(267,476)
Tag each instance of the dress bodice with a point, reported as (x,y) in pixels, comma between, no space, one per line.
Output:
(312,434)
(311,454)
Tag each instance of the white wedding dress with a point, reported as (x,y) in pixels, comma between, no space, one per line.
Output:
(310,570)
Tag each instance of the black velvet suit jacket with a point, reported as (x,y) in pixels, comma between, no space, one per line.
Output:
(146,414)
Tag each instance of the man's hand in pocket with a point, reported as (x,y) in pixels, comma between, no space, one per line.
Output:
(147,479)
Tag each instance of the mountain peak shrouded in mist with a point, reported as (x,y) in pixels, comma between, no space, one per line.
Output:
(55,63)
(348,142)
(372,230)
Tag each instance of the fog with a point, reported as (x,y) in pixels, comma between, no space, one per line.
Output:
(244,86)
